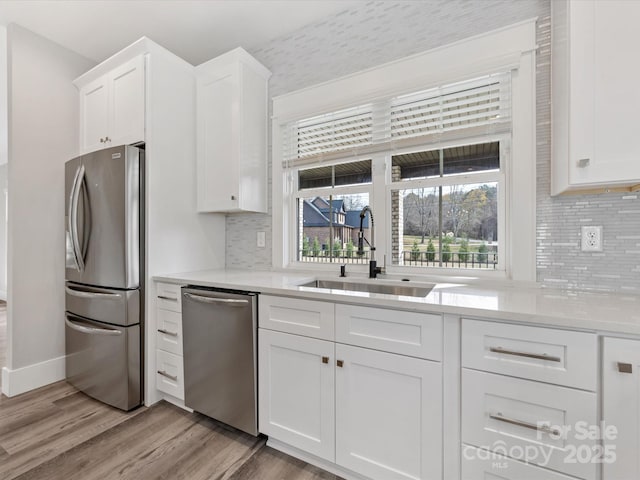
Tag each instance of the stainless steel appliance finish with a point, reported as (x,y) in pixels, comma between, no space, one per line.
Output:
(104,290)
(220,355)
(118,307)
(104,361)
(103,213)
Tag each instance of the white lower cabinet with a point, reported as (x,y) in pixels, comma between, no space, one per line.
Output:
(388,414)
(621,408)
(169,374)
(374,413)
(483,465)
(296,391)
(531,421)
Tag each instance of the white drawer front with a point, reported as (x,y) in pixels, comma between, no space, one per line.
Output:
(547,355)
(406,333)
(483,465)
(293,315)
(168,297)
(170,374)
(505,412)
(169,333)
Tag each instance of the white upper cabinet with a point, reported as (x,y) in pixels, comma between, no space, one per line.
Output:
(112,107)
(595,96)
(232,134)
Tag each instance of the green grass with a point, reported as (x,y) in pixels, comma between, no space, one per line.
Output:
(409,239)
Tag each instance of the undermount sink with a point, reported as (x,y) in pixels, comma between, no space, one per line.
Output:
(421,290)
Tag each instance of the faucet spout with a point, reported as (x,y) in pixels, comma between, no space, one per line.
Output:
(374,270)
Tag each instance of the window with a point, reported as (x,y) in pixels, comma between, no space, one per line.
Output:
(442,213)
(439,165)
(328,204)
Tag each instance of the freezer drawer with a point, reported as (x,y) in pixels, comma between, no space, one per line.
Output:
(116,307)
(103,361)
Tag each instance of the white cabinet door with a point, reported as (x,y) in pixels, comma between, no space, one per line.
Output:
(231,102)
(218,145)
(605,91)
(388,414)
(112,108)
(296,391)
(126,103)
(621,407)
(595,94)
(94,102)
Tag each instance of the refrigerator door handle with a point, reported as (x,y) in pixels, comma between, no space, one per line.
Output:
(70,215)
(73,218)
(90,330)
(85,294)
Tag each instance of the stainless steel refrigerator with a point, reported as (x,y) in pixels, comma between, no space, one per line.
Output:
(104,208)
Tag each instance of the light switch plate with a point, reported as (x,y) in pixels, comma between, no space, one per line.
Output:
(261,239)
(591,238)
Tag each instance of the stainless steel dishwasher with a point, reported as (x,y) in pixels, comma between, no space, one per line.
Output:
(220,355)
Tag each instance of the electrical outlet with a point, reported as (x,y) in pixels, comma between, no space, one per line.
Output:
(261,239)
(591,239)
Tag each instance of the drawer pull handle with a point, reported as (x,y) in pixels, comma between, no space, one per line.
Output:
(167,332)
(519,423)
(539,356)
(171,299)
(170,377)
(339,363)
(325,359)
(625,367)
(584,162)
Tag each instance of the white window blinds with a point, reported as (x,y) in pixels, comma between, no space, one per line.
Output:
(473,107)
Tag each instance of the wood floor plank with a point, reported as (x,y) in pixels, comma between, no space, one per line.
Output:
(103,456)
(270,464)
(59,433)
(38,443)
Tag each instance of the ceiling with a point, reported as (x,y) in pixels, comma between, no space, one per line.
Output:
(196,30)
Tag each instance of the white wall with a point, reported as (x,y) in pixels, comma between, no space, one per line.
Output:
(3,162)
(3,232)
(43,134)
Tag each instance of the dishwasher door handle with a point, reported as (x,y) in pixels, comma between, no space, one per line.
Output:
(230,302)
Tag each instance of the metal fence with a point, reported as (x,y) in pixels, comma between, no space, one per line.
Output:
(487,260)
(336,256)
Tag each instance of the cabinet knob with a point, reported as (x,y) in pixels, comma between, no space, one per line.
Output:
(325,359)
(102,140)
(584,162)
(106,139)
(625,367)
(339,363)
(233,197)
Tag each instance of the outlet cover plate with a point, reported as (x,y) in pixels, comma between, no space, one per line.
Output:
(261,239)
(591,239)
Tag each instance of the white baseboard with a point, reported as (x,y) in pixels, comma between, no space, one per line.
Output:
(21,380)
(313,460)
(3,295)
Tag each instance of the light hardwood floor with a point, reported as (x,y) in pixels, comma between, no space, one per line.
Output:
(58,433)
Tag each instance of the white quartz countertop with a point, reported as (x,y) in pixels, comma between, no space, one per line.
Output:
(603,312)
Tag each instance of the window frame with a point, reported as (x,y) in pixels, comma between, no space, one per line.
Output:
(297,194)
(499,176)
(512,48)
